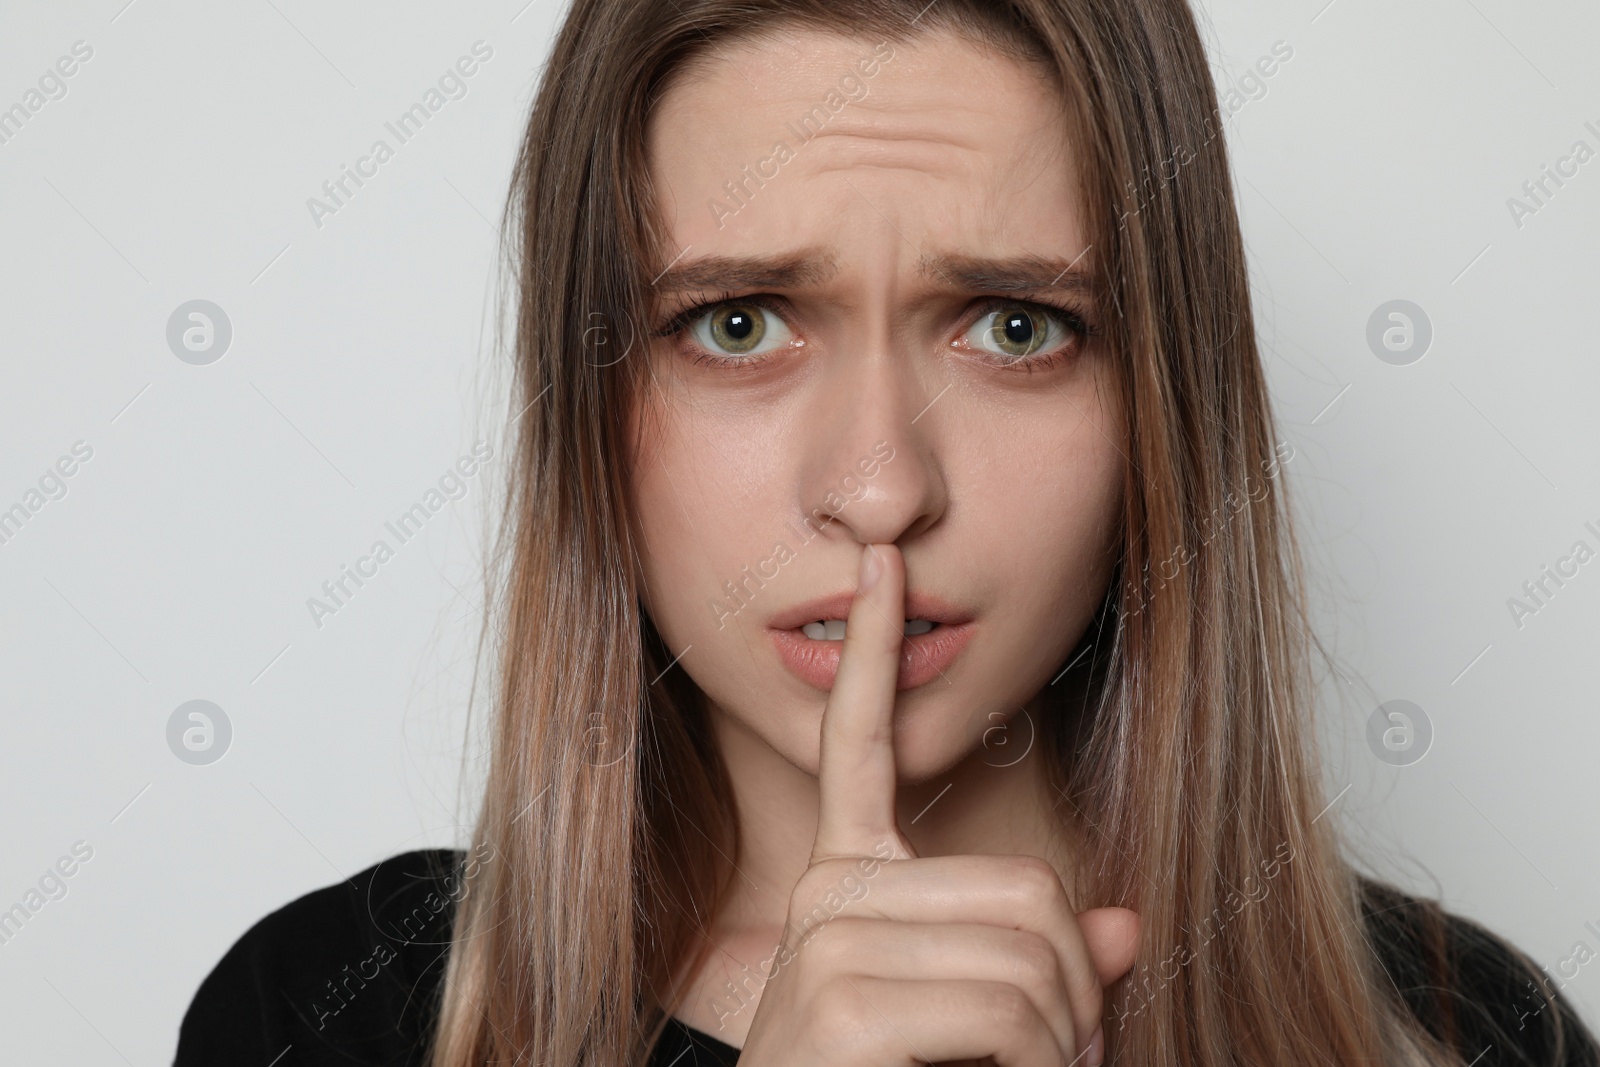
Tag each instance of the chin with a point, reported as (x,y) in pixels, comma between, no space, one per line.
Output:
(935,729)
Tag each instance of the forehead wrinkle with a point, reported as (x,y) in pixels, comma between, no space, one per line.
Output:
(940,134)
(944,156)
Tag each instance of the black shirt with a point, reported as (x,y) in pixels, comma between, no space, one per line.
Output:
(350,974)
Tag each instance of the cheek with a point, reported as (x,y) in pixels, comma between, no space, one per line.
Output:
(700,495)
(1067,521)
(1050,522)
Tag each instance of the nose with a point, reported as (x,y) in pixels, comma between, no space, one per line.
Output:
(872,452)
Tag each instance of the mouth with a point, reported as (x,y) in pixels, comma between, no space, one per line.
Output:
(834,629)
(810,640)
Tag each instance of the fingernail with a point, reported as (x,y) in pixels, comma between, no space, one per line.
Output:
(871,568)
(1097,1048)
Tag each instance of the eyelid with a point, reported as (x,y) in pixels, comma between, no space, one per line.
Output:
(1075,320)
(1075,317)
(680,320)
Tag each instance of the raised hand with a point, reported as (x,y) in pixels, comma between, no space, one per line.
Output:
(937,960)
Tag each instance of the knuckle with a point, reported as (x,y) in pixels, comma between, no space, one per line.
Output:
(818,880)
(847,1018)
(1083,987)
(1036,961)
(806,885)
(809,890)
(807,919)
(831,947)
(1036,881)
(1007,1006)
(1085,992)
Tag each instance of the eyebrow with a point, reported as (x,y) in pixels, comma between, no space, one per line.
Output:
(793,271)
(1009,274)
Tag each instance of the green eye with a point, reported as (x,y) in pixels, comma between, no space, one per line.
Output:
(1015,330)
(740,329)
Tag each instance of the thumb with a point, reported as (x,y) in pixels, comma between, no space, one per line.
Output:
(1112,936)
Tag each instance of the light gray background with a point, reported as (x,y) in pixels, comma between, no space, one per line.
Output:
(1376,166)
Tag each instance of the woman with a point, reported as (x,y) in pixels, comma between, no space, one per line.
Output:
(903,651)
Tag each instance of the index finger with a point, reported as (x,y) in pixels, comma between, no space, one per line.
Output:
(856,774)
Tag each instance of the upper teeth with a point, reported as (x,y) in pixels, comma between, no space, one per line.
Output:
(833,629)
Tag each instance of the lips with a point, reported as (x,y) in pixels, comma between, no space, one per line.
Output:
(924,657)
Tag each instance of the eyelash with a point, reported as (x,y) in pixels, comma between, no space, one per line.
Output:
(1070,317)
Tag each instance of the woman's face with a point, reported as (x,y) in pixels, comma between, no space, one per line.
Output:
(892,224)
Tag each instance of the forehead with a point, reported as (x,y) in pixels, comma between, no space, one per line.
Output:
(804,138)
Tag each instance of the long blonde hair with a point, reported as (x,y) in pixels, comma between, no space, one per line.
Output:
(1187,770)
